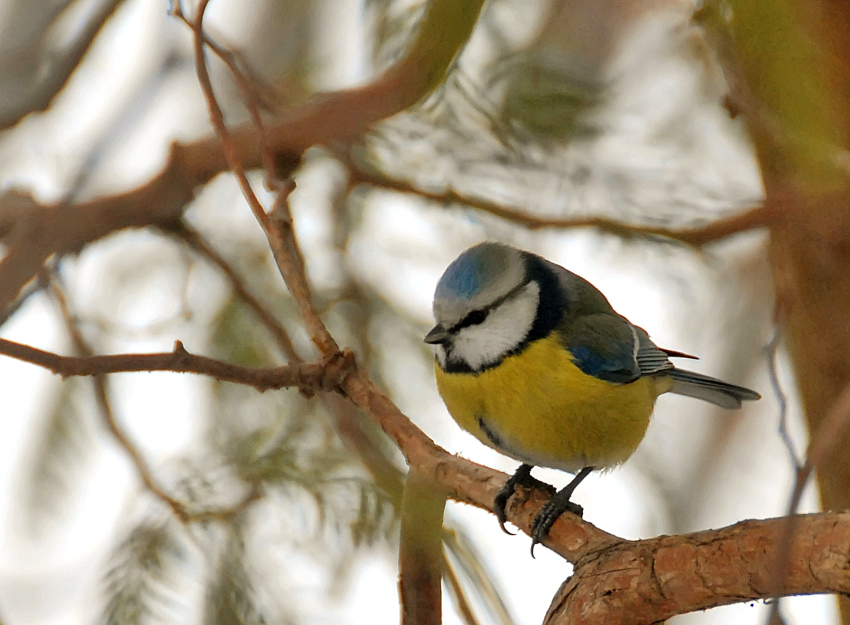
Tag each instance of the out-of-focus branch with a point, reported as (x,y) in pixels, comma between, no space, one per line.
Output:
(16,206)
(28,291)
(45,231)
(180,510)
(752,219)
(420,561)
(823,442)
(194,240)
(335,116)
(458,594)
(41,92)
(105,406)
(779,61)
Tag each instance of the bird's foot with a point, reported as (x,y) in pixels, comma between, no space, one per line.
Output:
(555,507)
(550,513)
(521,477)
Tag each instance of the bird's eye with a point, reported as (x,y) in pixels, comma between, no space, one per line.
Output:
(475,317)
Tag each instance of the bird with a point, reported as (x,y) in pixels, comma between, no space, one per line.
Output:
(534,361)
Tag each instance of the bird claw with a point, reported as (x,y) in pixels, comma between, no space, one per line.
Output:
(521,477)
(547,516)
(549,513)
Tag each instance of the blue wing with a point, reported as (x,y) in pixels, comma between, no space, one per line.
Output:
(610,348)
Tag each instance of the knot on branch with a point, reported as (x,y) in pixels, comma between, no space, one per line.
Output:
(181,357)
(332,372)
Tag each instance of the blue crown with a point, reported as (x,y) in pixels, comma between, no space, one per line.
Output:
(472,270)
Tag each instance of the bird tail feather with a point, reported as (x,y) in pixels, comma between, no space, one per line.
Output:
(709,389)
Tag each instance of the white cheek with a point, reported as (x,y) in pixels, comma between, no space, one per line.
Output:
(441,356)
(504,329)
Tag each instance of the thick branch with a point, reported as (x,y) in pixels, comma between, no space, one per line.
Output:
(467,481)
(648,581)
(40,92)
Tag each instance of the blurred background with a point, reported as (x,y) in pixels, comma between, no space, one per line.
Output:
(595,108)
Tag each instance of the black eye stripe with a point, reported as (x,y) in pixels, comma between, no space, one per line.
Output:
(474,318)
(477,317)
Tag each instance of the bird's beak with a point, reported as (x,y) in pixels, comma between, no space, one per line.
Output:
(437,335)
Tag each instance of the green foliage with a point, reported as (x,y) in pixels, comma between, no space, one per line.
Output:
(140,582)
(238,338)
(60,454)
(544,102)
(230,597)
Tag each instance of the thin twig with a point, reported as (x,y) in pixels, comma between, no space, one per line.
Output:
(217,119)
(281,244)
(247,87)
(309,378)
(751,219)
(180,509)
(194,239)
(831,430)
(771,353)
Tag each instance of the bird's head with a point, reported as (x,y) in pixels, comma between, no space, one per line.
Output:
(485,305)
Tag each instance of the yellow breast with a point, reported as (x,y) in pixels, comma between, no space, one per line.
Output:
(540,408)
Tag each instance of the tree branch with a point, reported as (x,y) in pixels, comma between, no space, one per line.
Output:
(420,560)
(751,219)
(615,581)
(339,115)
(309,378)
(648,581)
(41,92)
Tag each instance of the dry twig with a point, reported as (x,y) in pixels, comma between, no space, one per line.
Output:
(748,220)
(308,378)
(180,509)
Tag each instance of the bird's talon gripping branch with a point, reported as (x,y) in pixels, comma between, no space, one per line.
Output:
(547,516)
(521,477)
(555,507)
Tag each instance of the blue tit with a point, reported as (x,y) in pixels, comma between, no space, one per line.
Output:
(535,363)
